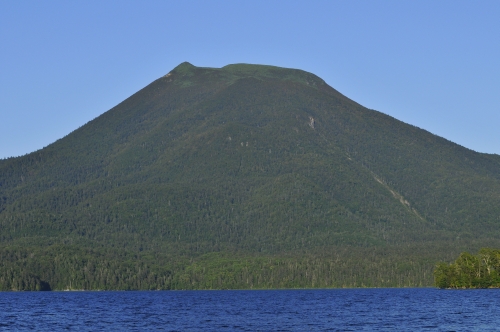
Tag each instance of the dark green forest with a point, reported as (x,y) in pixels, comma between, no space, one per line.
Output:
(245,176)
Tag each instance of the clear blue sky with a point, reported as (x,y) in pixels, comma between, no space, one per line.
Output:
(433,64)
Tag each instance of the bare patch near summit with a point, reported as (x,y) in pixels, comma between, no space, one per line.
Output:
(311,122)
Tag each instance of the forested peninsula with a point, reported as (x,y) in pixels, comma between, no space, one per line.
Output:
(470,271)
(242,177)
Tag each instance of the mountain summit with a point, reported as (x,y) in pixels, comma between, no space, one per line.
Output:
(245,176)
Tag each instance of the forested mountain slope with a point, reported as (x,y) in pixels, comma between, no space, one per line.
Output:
(242,171)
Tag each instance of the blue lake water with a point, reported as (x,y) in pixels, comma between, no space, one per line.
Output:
(414,309)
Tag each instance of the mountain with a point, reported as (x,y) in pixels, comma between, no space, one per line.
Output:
(246,176)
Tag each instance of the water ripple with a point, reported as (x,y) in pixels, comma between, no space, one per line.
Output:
(273,310)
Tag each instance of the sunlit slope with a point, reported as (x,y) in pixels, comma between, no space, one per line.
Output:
(250,159)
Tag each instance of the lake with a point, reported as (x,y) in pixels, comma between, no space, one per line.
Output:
(408,309)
